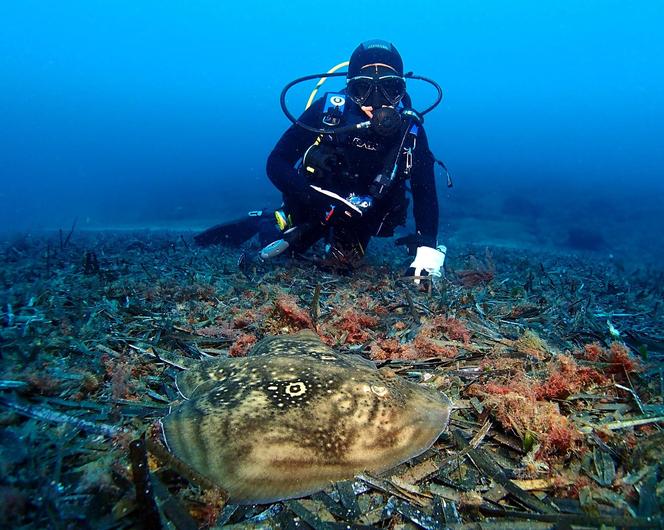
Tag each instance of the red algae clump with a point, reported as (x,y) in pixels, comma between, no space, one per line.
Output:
(566,377)
(356,326)
(617,355)
(620,356)
(387,349)
(523,414)
(427,347)
(242,345)
(448,327)
(521,405)
(287,314)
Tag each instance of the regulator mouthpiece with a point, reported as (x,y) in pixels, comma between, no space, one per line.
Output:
(386,121)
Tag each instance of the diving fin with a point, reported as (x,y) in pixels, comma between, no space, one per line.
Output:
(274,249)
(297,239)
(235,232)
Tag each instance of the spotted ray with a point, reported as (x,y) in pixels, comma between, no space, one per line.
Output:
(281,425)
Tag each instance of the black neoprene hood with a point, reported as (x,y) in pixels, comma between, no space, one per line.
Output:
(374,51)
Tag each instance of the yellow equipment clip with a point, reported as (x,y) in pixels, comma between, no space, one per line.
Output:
(283,221)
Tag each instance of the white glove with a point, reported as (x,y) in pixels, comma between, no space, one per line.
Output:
(428,262)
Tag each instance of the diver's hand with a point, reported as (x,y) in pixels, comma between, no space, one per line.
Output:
(428,262)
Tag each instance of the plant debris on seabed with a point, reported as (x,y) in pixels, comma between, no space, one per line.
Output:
(554,364)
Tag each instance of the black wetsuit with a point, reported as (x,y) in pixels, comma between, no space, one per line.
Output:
(363,154)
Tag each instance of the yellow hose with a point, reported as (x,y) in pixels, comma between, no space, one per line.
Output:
(321,81)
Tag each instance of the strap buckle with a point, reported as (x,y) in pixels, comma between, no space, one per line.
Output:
(409,160)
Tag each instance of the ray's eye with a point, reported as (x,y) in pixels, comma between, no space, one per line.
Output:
(379,390)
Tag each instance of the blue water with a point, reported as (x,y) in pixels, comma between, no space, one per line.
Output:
(163,113)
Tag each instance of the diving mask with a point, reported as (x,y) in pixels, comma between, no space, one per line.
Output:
(376,90)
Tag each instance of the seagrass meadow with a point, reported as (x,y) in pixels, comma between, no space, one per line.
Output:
(553,363)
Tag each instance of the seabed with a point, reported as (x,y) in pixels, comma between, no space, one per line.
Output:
(554,361)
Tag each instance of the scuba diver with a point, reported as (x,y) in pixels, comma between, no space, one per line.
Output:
(344,165)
